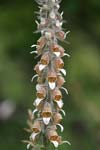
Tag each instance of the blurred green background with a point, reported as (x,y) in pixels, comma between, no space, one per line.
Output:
(82,106)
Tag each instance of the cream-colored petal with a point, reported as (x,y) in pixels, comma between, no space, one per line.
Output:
(52,85)
(33,135)
(63,71)
(57,54)
(34,111)
(41,67)
(28,146)
(62,128)
(32,52)
(37,22)
(48,35)
(34,45)
(65,90)
(36,75)
(63,112)
(60,103)
(38,87)
(57,23)
(53,1)
(65,54)
(37,101)
(66,142)
(43,20)
(66,34)
(55,143)
(52,15)
(46,120)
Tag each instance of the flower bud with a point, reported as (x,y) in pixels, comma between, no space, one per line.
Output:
(48,35)
(57,118)
(60,81)
(52,14)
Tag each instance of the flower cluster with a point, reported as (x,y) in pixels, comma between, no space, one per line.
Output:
(50,72)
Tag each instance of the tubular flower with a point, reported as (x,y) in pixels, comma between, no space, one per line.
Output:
(46,113)
(41,94)
(44,61)
(57,97)
(58,50)
(52,78)
(53,137)
(36,128)
(46,117)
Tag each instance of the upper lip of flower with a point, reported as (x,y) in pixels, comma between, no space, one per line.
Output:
(41,94)
(52,79)
(46,114)
(57,95)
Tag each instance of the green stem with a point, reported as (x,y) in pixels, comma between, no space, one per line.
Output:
(44,143)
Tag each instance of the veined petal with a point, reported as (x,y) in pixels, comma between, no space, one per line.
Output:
(63,71)
(36,75)
(57,54)
(62,128)
(41,67)
(46,120)
(60,103)
(55,143)
(33,135)
(28,146)
(52,85)
(37,101)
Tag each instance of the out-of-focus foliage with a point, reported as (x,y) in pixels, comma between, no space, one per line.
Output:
(17,23)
